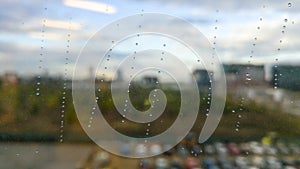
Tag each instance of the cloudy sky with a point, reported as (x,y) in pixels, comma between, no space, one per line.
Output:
(38,36)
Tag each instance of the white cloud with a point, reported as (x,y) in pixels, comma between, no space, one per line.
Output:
(62,24)
(91,5)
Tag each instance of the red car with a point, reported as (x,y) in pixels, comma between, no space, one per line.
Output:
(233,149)
(191,163)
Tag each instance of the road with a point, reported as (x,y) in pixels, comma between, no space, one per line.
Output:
(42,156)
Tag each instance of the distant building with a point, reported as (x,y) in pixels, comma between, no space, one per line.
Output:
(10,78)
(239,74)
(119,77)
(150,81)
(286,76)
(202,77)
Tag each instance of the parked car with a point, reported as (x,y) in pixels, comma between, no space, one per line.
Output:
(209,149)
(161,163)
(191,163)
(233,149)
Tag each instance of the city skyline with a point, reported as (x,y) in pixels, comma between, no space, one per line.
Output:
(35,39)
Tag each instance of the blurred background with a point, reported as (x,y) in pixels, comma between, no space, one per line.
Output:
(256,41)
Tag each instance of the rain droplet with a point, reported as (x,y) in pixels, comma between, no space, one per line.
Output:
(285,20)
(289,4)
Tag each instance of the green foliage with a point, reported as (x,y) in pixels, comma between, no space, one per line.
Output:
(22,111)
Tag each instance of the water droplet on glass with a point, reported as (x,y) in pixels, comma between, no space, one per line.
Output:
(285,20)
(289,4)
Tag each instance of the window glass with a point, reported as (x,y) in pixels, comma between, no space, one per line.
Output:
(149,84)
